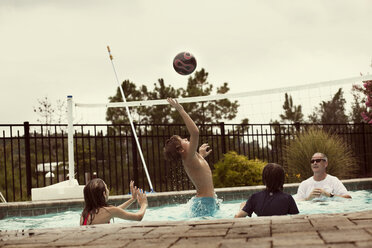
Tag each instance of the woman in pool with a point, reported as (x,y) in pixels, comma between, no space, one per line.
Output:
(97,211)
(272,200)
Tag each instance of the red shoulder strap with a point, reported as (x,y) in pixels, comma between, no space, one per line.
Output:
(86,220)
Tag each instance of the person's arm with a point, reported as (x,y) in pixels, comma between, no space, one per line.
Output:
(340,190)
(133,191)
(190,125)
(329,194)
(334,195)
(142,201)
(292,206)
(318,192)
(344,196)
(242,213)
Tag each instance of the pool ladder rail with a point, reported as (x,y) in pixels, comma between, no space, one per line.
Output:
(2,198)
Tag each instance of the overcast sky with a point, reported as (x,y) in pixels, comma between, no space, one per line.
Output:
(57,48)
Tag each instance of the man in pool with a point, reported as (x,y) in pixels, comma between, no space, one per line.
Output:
(321,183)
(177,149)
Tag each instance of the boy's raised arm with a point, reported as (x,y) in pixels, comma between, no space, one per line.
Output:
(190,125)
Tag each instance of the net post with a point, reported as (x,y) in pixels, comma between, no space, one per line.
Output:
(364,135)
(70,140)
(223,138)
(131,122)
(26,126)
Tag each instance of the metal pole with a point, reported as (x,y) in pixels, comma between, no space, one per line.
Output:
(26,126)
(131,121)
(70,140)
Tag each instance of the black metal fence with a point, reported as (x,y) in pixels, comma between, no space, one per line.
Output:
(33,155)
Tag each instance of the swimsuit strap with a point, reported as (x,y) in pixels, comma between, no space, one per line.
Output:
(86,220)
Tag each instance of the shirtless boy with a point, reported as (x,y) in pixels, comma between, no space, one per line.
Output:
(196,167)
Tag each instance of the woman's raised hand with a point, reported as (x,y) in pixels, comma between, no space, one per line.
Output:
(133,190)
(141,197)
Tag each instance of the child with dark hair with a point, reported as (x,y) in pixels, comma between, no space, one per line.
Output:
(172,149)
(97,211)
(197,168)
(272,200)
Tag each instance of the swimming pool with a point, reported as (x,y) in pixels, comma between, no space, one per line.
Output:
(362,200)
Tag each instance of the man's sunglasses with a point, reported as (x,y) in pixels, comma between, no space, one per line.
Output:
(318,160)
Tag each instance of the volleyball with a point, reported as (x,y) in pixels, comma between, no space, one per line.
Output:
(184,63)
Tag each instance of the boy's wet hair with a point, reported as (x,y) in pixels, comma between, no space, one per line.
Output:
(273,177)
(172,148)
(94,198)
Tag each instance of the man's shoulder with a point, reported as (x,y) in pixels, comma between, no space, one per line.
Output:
(332,178)
(307,181)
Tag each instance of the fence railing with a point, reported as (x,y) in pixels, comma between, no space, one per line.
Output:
(34,155)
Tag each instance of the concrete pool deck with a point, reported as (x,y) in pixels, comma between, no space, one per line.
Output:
(340,230)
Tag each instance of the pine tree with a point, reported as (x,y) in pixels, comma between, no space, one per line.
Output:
(119,115)
(292,113)
(331,112)
(358,105)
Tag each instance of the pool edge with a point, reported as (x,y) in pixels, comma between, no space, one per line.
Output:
(34,208)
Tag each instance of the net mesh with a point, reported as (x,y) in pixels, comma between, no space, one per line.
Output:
(263,106)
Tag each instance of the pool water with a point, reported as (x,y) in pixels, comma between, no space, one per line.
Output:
(362,200)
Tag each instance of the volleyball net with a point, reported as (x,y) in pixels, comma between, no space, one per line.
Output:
(254,105)
(259,106)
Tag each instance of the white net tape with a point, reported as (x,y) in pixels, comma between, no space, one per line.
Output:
(231,95)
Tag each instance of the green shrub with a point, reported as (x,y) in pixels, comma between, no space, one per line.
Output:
(341,162)
(236,170)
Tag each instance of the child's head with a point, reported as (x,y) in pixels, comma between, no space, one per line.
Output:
(95,194)
(273,177)
(173,148)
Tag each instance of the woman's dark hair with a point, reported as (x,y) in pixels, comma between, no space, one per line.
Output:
(94,198)
(273,177)
(172,148)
